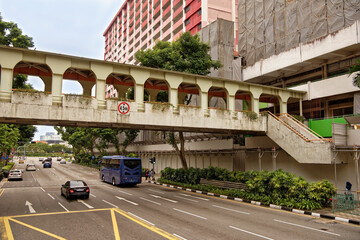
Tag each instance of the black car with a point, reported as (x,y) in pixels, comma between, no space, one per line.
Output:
(75,188)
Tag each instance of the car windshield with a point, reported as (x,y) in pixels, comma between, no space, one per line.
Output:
(77,184)
(15,171)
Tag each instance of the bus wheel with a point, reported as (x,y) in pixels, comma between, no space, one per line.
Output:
(113,181)
(103,178)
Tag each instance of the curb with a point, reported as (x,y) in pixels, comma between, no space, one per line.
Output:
(319,215)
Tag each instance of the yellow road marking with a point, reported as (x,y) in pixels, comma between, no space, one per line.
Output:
(148,226)
(115,226)
(2,191)
(37,229)
(5,229)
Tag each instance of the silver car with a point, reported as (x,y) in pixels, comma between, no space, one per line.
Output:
(15,174)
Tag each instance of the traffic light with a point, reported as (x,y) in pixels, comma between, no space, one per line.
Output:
(152,160)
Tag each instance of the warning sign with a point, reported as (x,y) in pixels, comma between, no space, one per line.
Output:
(124,108)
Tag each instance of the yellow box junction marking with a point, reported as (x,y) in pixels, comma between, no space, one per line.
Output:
(7,233)
(2,191)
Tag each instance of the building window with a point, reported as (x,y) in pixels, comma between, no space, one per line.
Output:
(199,12)
(187,9)
(187,21)
(199,26)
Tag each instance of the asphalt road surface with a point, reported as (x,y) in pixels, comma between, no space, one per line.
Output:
(34,209)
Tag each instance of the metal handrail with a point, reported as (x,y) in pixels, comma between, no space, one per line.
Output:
(306,128)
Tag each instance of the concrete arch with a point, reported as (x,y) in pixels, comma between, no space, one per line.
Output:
(218,97)
(189,94)
(41,70)
(268,102)
(155,86)
(119,84)
(243,101)
(85,77)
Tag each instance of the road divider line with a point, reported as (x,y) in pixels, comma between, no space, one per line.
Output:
(42,189)
(92,195)
(87,205)
(298,225)
(141,218)
(191,214)
(242,230)
(150,201)
(51,196)
(166,199)
(191,200)
(229,209)
(37,229)
(63,207)
(120,198)
(179,236)
(2,191)
(125,192)
(156,191)
(188,195)
(110,204)
(5,229)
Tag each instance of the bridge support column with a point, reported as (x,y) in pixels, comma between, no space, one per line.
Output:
(139,97)
(205,104)
(173,99)
(100,93)
(152,94)
(121,90)
(283,107)
(6,84)
(255,105)
(181,97)
(47,83)
(56,89)
(87,87)
(300,107)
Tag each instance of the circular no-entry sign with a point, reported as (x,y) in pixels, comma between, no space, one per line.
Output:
(124,108)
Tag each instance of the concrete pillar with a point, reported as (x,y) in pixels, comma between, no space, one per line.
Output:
(87,87)
(300,107)
(255,105)
(6,80)
(121,89)
(100,93)
(204,103)
(283,107)
(140,77)
(152,94)
(56,88)
(173,99)
(139,96)
(181,97)
(231,103)
(47,82)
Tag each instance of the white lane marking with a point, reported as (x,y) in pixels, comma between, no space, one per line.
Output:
(33,177)
(87,205)
(188,195)
(42,189)
(63,206)
(150,201)
(179,236)
(51,196)
(156,191)
(120,198)
(229,209)
(141,219)
(250,233)
(189,213)
(31,209)
(297,225)
(92,195)
(125,192)
(192,200)
(110,204)
(166,199)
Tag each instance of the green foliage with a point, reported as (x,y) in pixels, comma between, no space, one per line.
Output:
(251,115)
(276,187)
(9,136)
(186,54)
(130,94)
(162,96)
(356,78)
(8,167)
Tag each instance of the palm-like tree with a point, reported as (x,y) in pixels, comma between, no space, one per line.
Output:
(356,78)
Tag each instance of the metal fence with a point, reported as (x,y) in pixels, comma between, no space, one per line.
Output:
(347,202)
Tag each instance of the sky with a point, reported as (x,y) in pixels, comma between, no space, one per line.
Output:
(72,27)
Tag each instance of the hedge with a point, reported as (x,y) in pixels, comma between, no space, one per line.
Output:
(8,167)
(271,187)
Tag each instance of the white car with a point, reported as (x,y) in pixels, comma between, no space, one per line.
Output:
(15,174)
(63,161)
(30,167)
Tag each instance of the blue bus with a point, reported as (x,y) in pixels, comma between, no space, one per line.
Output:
(120,170)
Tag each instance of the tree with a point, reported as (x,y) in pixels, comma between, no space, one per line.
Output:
(11,35)
(356,78)
(9,136)
(186,54)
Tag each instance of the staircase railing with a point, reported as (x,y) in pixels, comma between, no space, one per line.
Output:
(302,126)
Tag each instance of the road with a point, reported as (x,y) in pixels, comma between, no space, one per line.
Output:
(34,209)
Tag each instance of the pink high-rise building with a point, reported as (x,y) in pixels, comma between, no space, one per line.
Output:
(139,23)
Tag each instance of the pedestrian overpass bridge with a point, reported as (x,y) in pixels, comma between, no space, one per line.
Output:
(52,107)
